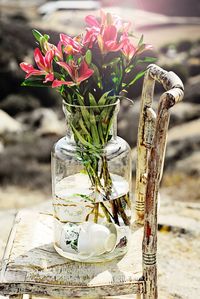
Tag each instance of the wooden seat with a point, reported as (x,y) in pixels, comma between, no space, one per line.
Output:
(31,265)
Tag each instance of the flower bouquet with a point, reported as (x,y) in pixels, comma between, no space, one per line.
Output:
(92,72)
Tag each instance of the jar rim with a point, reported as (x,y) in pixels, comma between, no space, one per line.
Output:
(95,106)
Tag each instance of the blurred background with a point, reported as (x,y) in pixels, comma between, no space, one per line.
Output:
(31,120)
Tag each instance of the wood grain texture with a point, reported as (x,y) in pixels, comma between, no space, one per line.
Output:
(152,136)
(33,266)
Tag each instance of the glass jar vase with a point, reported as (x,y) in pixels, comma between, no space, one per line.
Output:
(91,184)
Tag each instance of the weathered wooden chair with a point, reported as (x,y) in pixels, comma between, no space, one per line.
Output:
(30,264)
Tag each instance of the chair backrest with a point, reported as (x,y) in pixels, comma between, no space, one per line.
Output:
(152,133)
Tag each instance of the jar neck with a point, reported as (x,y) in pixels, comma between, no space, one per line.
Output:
(94,124)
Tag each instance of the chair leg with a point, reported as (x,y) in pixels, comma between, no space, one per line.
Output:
(150,277)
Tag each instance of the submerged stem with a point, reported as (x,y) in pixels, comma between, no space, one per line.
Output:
(96,212)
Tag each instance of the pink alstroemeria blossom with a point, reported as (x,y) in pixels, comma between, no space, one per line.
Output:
(58,83)
(110,33)
(143,48)
(108,40)
(72,45)
(57,50)
(78,73)
(129,50)
(92,21)
(46,46)
(44,64)
(90,37)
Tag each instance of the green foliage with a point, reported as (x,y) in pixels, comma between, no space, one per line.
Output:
(35,82)
(37,34)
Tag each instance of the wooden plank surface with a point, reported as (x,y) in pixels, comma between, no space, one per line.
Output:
(31,264)
(7,219)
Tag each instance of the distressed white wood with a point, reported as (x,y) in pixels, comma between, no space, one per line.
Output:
(34,267)
(152,135)
(7,219)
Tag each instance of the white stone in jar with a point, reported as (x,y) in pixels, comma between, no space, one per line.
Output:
(95,239)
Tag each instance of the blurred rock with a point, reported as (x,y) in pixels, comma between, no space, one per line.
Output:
(17,43)
(25,160)
(8,124)
(193,65)
(44,121)
(183,141)
(1,147)
(184,45)
(15,103)
(195,51)
(190,165)
(184,112)
(192,90)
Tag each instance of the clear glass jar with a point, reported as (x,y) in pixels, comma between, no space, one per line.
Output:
(91,183)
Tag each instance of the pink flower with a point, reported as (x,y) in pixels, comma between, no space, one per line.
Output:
(57,50)
(46,46)
(58,83)
(92,21)
(72,45)
(90,37)
(44,64)
(108,40)
(128,50)
(78,73)
(110,33)
(143,48)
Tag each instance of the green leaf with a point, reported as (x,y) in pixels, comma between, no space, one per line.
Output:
(148,59)
(69,57)
(129,68)
(81,139)
(92,100)
(37,34)
(103,98)
(138,76)
(94,130)
(96,75)
(88,57)
(86,116)
(100,130)
(141,48)
(141,40)
(84,129)
(113,62)
(35,83)
(140,61)
(109,127)
(47,37)
(115,80)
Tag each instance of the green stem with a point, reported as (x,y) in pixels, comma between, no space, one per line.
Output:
(114,211)
(96,212)
(106,212)
(122,212)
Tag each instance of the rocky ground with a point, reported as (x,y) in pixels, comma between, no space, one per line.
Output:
(32,121)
